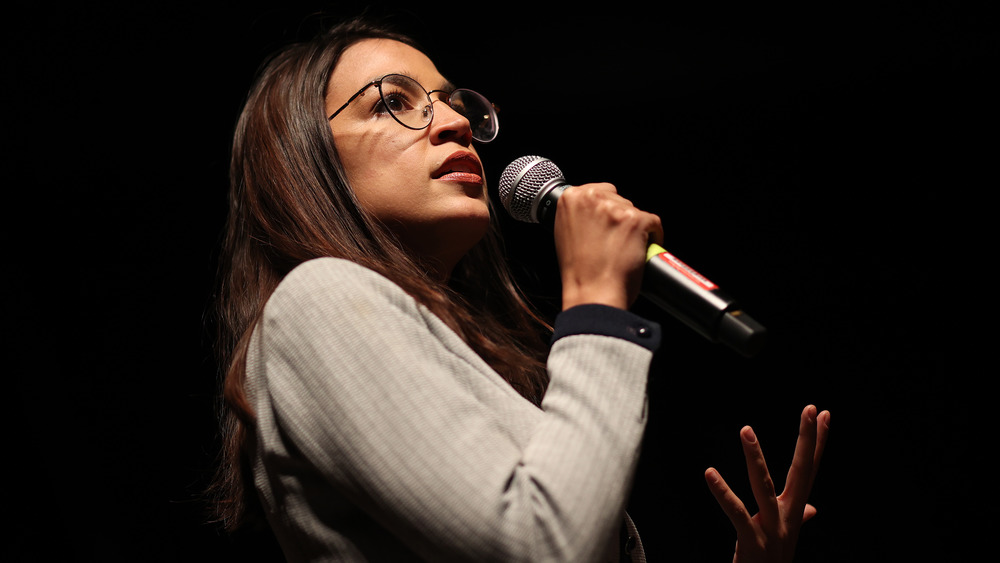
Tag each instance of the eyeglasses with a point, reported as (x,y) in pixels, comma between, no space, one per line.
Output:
(411,106)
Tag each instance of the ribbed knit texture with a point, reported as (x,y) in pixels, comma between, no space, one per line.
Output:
(382,436)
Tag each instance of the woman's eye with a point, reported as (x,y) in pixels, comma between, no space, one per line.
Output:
(395,102)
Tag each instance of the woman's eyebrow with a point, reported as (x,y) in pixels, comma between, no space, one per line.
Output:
(445,86)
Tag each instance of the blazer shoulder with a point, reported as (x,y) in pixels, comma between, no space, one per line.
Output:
(333,282)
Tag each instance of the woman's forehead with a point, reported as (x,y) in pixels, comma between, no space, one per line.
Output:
(370,59)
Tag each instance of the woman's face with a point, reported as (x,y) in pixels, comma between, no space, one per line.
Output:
(425,185)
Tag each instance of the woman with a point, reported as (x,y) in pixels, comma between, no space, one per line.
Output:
(388,392)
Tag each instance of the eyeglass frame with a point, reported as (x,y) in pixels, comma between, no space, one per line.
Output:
(378,84)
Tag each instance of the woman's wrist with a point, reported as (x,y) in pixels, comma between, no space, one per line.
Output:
(610,294)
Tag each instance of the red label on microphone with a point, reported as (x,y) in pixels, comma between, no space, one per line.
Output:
(688,271)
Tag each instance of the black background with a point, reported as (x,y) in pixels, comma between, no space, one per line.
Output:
(830,166)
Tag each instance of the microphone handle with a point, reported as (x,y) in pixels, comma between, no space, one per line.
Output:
(697,302)
(678,289)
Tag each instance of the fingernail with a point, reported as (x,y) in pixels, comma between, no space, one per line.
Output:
(748,435)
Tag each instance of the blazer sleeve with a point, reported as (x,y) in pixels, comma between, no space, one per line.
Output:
(400,416)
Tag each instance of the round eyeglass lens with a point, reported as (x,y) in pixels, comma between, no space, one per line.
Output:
(479,111)
(406,100)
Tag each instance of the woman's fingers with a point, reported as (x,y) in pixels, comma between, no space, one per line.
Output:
(760,478)
(808,513)
(771,534)
(822,431)
(801,473)
(654,228)
(601,241)
(602,201)
(730,503)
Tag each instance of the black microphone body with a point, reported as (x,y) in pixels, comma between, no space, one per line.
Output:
(530,188)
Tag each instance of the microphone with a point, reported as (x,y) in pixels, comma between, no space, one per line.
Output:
(530,188)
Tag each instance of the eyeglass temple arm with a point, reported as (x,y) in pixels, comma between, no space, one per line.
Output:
(354,97)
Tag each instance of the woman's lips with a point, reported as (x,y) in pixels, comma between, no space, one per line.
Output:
(462,177)
(462,167)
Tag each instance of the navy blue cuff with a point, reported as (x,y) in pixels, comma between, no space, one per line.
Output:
(607,321)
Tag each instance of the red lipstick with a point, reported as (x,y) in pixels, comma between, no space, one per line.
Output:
(462,167)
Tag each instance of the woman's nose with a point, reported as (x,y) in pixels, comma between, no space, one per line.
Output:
(449,125)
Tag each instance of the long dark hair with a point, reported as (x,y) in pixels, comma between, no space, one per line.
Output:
(290,202)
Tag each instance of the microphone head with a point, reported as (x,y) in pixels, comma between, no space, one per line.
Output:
(522,184)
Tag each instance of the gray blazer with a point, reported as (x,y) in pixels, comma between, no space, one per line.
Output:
(381,436)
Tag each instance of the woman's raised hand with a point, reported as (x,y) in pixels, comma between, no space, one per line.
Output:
(771,534)
(601,240)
